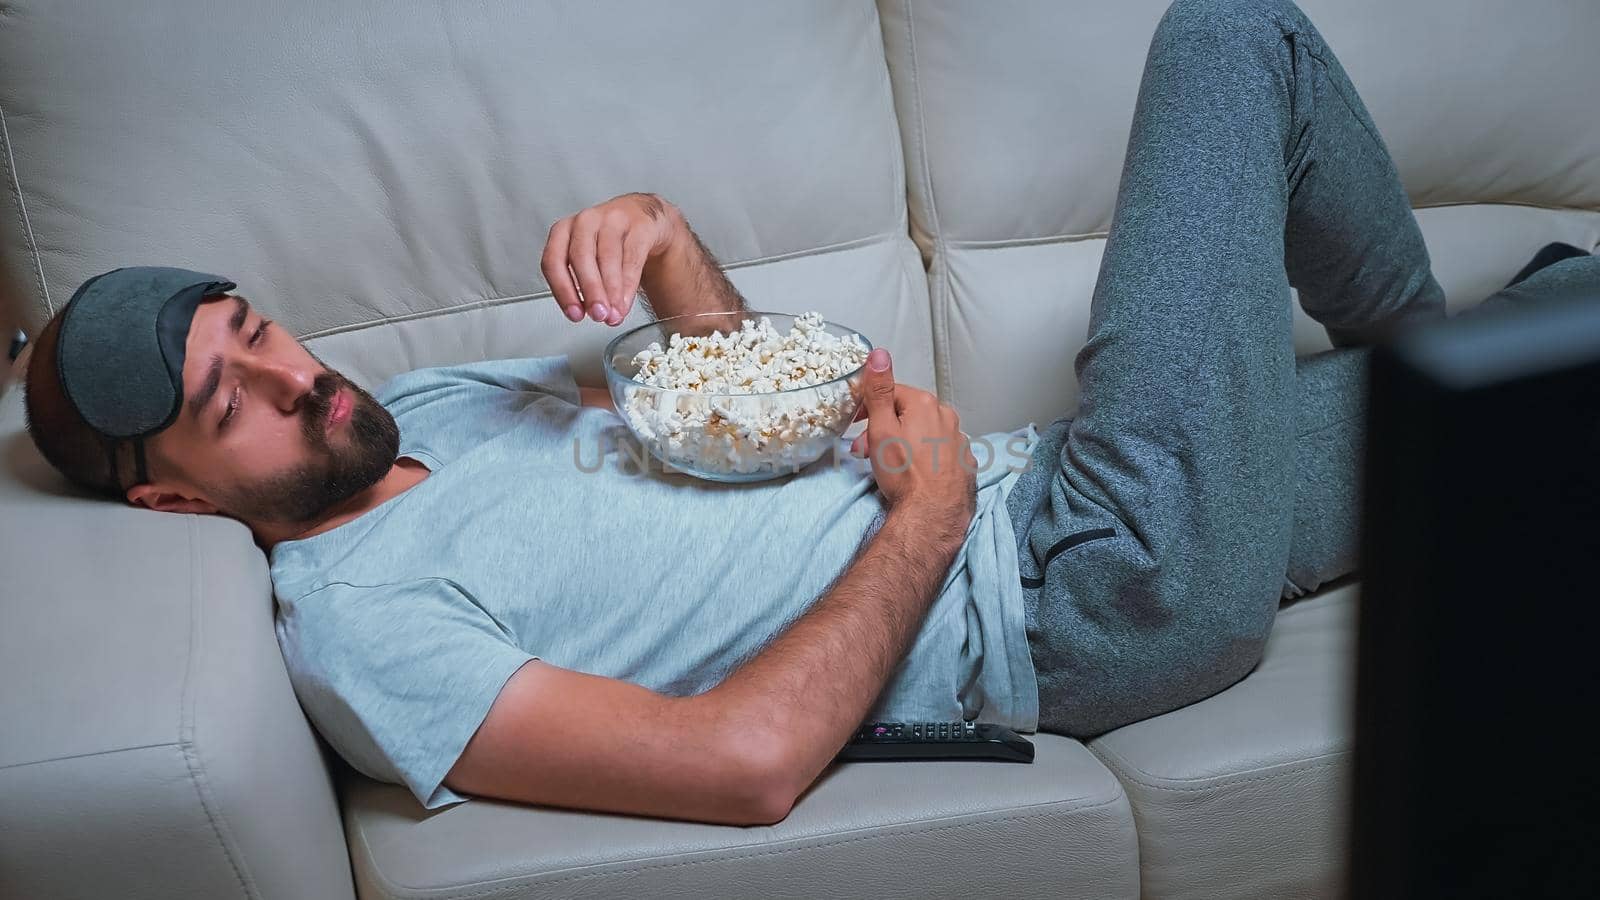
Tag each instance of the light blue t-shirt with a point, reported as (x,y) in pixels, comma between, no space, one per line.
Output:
(537,535)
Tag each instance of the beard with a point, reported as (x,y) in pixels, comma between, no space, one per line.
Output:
(333,474)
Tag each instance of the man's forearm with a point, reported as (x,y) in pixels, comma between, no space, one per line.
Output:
(686,279)
(810,688)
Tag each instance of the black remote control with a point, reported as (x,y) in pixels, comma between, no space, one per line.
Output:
(937,740)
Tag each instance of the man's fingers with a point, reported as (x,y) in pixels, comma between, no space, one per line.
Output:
(878,392)
(609,249)
(554,266)
(900,416)
(581,256)
(858,447)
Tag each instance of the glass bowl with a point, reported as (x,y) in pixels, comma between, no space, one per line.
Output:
(730,436)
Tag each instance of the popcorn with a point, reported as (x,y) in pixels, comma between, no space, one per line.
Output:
(692,413)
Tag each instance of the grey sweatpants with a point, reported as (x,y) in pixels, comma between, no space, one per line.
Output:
(1208,473)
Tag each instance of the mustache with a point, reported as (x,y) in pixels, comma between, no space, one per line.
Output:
(314,410)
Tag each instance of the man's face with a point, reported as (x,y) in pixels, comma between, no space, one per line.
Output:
(267,433)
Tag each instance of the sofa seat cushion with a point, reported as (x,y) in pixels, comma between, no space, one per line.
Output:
(1060,828)
(1245,794)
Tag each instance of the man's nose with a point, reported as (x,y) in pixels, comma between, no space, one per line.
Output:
(286,385)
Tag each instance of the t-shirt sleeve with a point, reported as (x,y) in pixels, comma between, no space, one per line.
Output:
(398,677)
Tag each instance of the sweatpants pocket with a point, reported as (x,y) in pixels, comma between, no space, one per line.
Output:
(1062,546)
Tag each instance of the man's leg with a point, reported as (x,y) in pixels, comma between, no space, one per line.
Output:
(1330,410)
(1161,547)
(1330,440)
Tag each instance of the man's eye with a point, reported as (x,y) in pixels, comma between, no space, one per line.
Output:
(233,404)
(260,332)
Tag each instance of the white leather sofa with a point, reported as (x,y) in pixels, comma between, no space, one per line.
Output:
(380,176)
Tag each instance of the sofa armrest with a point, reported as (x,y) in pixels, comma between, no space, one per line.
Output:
(152,744)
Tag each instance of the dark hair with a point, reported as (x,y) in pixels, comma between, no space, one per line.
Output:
(62,436)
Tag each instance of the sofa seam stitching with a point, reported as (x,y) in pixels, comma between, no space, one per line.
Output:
(522,882)
(186,720)
(488,302)
(1067,237)
(1133,773)
(22,214)
(63,758)
(940,314)
(1004,243)
(1437,204)
(900,189)
(903,176)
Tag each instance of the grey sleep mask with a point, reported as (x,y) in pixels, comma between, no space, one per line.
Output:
(119,354)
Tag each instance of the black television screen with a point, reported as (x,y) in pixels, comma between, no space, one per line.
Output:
(1475,761)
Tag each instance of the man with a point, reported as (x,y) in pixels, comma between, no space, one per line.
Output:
(464,611)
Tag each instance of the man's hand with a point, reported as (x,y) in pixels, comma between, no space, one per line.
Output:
(808,690)
(595,260)
(921,459)
(598,260)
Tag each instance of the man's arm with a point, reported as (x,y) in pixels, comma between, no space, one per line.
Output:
(678,275)
(809,690)
(686,278)
(596,261)
(595,396)
(739,754)
(744,751)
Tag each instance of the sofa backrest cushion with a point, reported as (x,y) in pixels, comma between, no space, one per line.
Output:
(382,178)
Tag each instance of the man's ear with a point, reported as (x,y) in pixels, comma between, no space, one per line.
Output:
(153,497)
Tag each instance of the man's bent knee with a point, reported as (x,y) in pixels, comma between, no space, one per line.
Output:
(1227,22)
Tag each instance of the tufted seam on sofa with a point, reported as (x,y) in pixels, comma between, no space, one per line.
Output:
(470,305)
(1075,237)
(22,213)
(1126,771)
(191,756)
(899,188)
(520,882)
(1550,206)
(943,383)
(66,756)
(1007,243)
